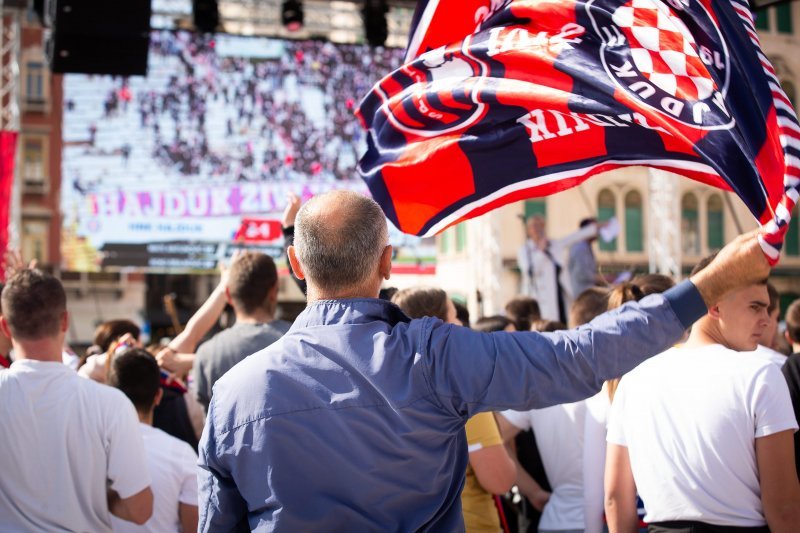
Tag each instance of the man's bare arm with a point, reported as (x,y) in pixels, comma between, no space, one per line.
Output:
(528,486)
(780,490)
(620,489)
(740,263)
(188,515)
(137,508)
(493,468)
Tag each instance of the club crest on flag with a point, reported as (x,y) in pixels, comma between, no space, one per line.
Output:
(652,55)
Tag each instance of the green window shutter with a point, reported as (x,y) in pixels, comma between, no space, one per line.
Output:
(783,13)
(461,237)
(535,207)
(606,209)
(762,19)
(634,240)
(716,223)
(444,241)
(792,240)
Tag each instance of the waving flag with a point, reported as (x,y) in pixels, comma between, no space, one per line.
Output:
(501,100)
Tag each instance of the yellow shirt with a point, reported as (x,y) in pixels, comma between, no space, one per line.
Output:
(480,513)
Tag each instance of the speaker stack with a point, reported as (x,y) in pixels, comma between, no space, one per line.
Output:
(97,36)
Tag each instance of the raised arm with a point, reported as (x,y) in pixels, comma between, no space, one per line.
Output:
(527,370)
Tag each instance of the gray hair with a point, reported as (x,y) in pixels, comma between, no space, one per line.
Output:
(339,239)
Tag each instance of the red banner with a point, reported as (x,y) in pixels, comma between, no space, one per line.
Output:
(258,230)
(8,147)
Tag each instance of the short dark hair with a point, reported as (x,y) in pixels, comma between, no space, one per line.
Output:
(523,311)
(462,313)
(33,303)
(111,330)
(250,279)
(135,372)
(703,263)
(417,302)
(547,326)
(490,324)
(774,298)
(793,320)
(589,304)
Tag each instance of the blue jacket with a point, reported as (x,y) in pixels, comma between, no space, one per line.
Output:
(354,420)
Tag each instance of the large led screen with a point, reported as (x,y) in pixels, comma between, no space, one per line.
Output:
(169,171)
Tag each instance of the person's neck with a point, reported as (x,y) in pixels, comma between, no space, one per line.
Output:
(704,334)
(260,316)
(145,418)
(47,350)
(315,294)
(796,347)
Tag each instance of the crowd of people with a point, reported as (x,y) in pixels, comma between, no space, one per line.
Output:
(651,401)
(212,112)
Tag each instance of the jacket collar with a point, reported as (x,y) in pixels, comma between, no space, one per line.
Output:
(349,311)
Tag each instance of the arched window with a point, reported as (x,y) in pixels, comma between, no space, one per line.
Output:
(634,225)
(791,243)
(716,223)
(461,237)
(690,224)
(791,92)
(606,209)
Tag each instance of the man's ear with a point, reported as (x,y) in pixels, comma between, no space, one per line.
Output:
(296,267)
(713,312)
(159,397)
(785,335)
(64,321)
(386,262)
(228,296)
(4,327)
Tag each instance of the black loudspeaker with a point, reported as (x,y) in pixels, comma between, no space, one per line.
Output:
(98,36)
(206,15)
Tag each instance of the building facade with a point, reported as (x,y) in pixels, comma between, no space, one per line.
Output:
(476,260)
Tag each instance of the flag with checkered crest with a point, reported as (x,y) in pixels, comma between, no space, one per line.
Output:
(502,100)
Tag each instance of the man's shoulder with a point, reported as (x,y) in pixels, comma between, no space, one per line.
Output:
(158,439)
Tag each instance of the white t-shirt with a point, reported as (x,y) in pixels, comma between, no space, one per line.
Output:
(768,354)
(689,418)
(594,460)
(64,439)
(173,467)
(559,437)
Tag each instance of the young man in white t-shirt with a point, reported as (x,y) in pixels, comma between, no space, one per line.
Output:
(705,432)
(170,461)
(72,456)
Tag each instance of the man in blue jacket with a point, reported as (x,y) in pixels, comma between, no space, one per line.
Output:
(354,420)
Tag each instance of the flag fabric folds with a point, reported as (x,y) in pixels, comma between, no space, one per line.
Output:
(501,100)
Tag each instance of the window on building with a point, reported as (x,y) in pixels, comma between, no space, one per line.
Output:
(535,207)
(33,162)
(606,209)
(444,241)
(783,16)
(791,241)
(762,19)
(791,92)
(634,225)
(716,223)
(690,224)
(34,240)
(34,83)
(461,237)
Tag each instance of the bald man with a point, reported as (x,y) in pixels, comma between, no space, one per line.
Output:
(355,418)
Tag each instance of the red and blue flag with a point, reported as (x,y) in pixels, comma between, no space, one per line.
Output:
(502,100)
